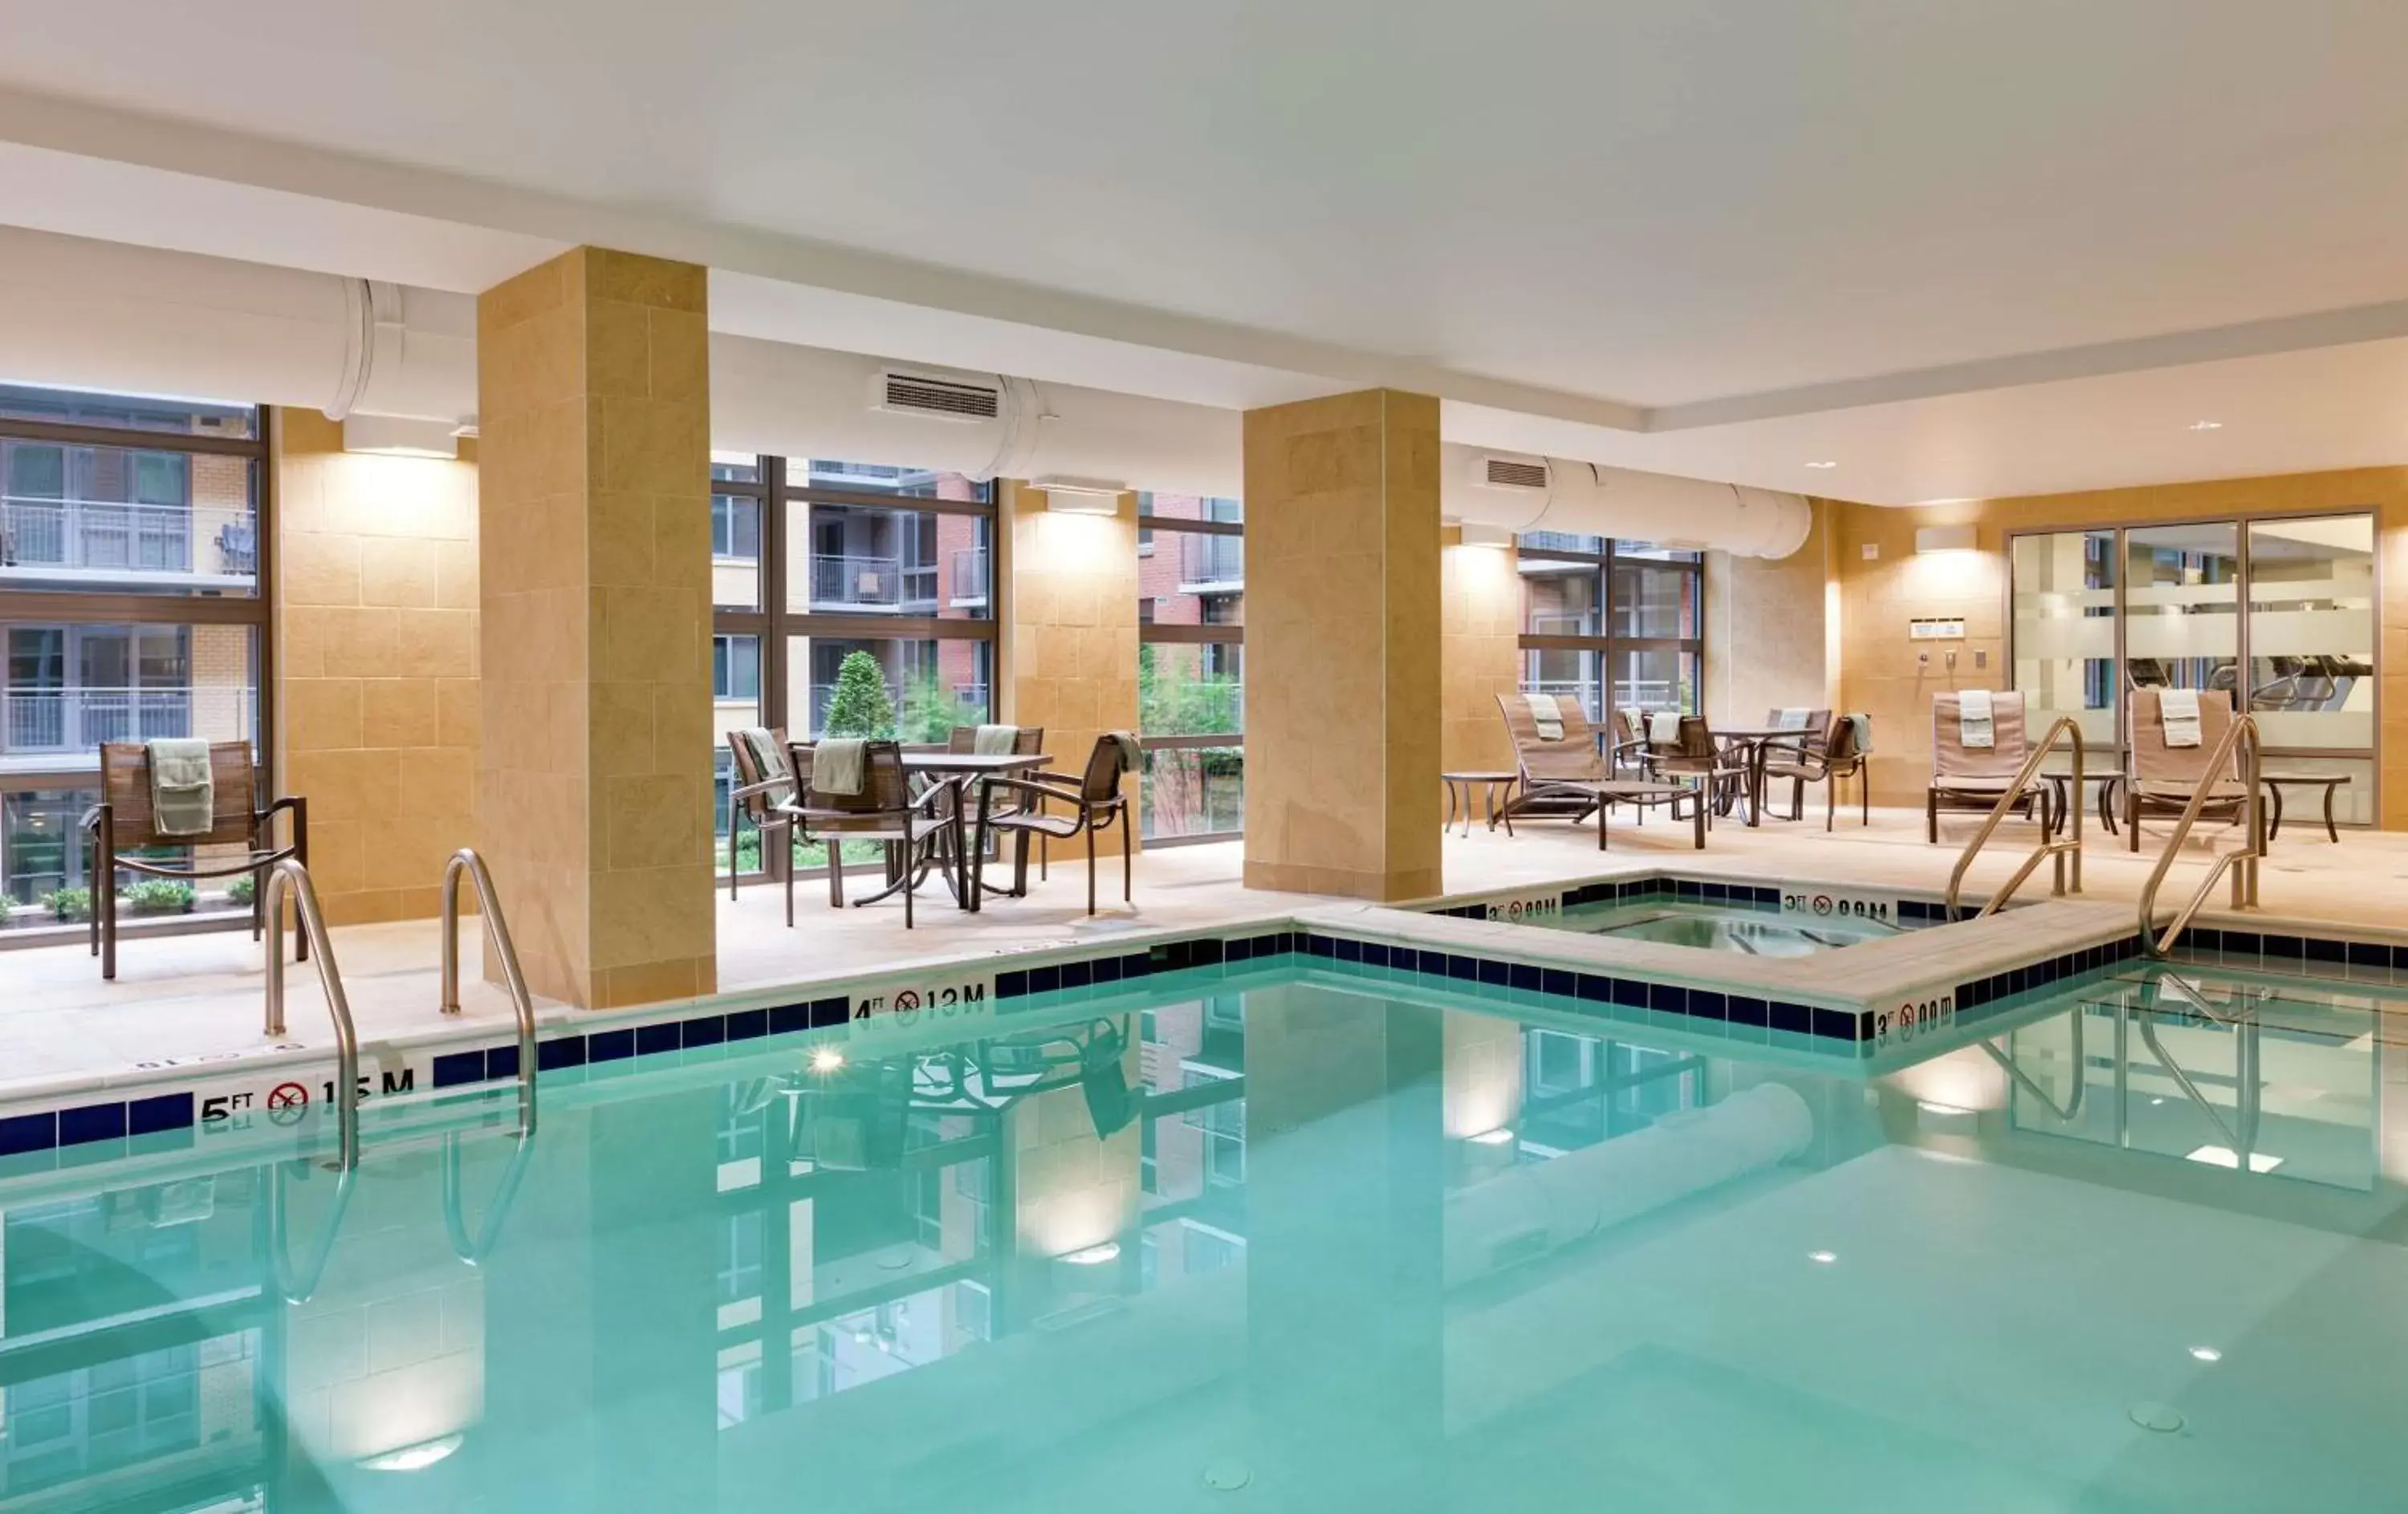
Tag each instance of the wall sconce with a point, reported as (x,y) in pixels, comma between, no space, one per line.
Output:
(1944,538)
(397,436)
(1477,535)
(1081,497)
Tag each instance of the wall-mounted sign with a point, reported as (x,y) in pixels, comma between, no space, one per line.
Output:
(1933,629)
(915,1006)
(1919,1013)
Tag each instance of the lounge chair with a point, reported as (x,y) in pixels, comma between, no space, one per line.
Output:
(2163,777)
(1564,776)
(122,825)
(1973,777)
(1835,755)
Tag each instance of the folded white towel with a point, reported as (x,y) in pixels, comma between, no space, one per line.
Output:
(995,741)
(1791,719)
(1546,714)
(1973,726)
(2178,711)
(1664,728)
(838,765)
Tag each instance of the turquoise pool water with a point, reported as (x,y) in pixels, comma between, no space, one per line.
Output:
(1728,928)
(1273,1242)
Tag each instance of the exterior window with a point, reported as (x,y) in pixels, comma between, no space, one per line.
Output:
(1191,666)
(1615,625)
(818,564)
(130,610)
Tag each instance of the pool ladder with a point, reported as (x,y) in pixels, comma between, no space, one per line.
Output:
(290,878)
(2242,750)
(2064,849)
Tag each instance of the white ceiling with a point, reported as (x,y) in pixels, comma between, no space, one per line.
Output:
(1669,228)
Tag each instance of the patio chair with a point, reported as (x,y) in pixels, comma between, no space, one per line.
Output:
(1695,756)
(1027,740)
(122,823)
(1093,798)
(1973,777)
(1838,754)
(767,799)
(2163,777)
(913,830)
(1564,776)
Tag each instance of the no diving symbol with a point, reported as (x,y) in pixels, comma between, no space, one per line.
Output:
(287,1103)
(1822,903)
(906,1002)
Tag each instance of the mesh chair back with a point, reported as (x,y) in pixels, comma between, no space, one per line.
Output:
(885,789)
(1840,740)
(1572,759)
(1816,731)
(1952,759)
(2154,762)
(126,782)
(1102,779)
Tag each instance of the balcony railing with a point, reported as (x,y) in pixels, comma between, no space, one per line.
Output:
(86,533)
(880,583)
(1211,559)
(970,574)
(79,719)
(972,695)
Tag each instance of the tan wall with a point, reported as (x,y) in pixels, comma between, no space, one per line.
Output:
(594,783)
(1067,631)
(1764,630)
(1343,638)
(1479,655)
(375,632)
(1882,677)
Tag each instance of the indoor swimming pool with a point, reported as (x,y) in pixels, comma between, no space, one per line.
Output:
(1282,1236)
(1728,928)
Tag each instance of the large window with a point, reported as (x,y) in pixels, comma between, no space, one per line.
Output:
(1191,666)
(130,610)
(818,566)
(1615,625)
(2277,611)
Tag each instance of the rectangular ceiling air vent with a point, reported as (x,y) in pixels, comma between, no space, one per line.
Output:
(945,399)
(1508,473)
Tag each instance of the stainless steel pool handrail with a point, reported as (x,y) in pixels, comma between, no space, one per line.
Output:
(456,1221)
(498,930)
(301,1289)
(2063,849)
(2070,1110)
(290,877)
(2241,748)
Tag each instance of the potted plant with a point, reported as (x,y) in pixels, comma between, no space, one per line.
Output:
(242,890)
(69,903)
(160,895)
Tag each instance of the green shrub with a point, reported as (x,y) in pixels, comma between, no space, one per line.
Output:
(69,903)
(243,889)
(160,895)
(861,705)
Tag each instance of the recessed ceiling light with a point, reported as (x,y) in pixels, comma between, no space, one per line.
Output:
(2207,1353)
(2207,425)
(1827,1258)
(1823,465)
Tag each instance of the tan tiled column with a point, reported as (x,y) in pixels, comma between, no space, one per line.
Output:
(1480,656)
(1069,628)
(1343,718)
(595,532)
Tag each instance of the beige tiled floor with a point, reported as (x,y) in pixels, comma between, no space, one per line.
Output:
(198,995)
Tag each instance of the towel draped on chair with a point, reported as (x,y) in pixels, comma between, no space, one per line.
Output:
(770,759)
(838,765)
(183,795)
(1545,715)
(1973,726)
(1664,728)
(2178,712)
(995,741)
(1863,726)
(1792,719)
(1132,755)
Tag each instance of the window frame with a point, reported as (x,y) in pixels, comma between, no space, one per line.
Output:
(1208,633)
(1607,644)
(773,623)
(183,611)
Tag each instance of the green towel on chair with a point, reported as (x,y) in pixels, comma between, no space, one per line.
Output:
(183,795)
(1132,755)
(839,764)
(994,740)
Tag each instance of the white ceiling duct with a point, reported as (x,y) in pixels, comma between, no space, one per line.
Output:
(110,316)
(87,314)
(1519,492)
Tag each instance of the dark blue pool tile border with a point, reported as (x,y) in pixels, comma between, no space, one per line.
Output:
(1638,999)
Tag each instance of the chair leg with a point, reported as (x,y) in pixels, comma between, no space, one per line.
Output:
(903,851)
(1020,865)
(1797,797)
(1932,817)
(104,902)
(836,872)
(1865,796)
(1127,852)
(1044,857)
(1090,830)
(1831,801)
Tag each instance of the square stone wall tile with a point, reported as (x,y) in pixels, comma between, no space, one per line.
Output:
(435,643)
(436,781)
(632,277)
(618,350)
(323,714)
(407,712)
(320,568)
(398,571)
